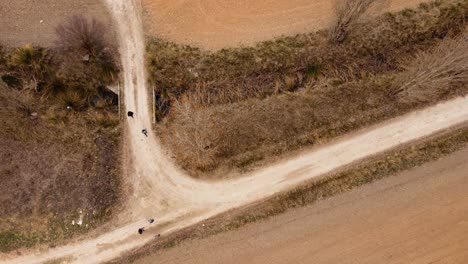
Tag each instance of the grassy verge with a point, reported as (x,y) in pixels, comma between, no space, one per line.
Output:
(227,111)
(370,171)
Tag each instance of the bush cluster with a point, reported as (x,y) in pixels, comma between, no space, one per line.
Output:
(75,72)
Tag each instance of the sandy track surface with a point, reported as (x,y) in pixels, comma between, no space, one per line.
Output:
(177,201)
(418,217)
(215,24)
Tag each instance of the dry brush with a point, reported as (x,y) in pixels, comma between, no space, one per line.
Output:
(237,135)
(433,73)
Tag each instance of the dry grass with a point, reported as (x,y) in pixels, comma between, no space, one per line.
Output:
(234,136)
(347,14)
(55,164)
(59,154)
(284,95)
(237,135)
(193,140)
(433,73)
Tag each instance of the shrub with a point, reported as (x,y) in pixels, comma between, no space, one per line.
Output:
(192,139)
(434,73)
(72,98)
(79,34)
(347,14)
(32,65)
(87,54)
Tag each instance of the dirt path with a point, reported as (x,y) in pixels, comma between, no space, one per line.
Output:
(418,216)
(215,24)
(160,190)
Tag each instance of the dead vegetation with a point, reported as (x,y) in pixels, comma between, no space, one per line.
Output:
(230,109)
(60,138)
(242,133)
(56,163)
(347,14)
(82,42)
(431,74)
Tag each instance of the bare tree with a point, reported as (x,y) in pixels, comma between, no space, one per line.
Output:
(434,72)
(84,40)
(347,13)
(81,34)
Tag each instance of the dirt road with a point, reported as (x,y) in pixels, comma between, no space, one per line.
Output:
(215,24)
(418,216)
(162,191)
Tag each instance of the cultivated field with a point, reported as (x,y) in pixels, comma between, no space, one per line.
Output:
(418,216)
(216,24)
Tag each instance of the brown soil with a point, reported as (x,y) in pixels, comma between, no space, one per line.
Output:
(418,216)
(215,24)
(20,20)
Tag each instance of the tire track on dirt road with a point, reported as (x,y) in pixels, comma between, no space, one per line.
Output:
(160,189)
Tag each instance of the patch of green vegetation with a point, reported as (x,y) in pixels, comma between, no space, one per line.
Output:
(171,244)
(10,240)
